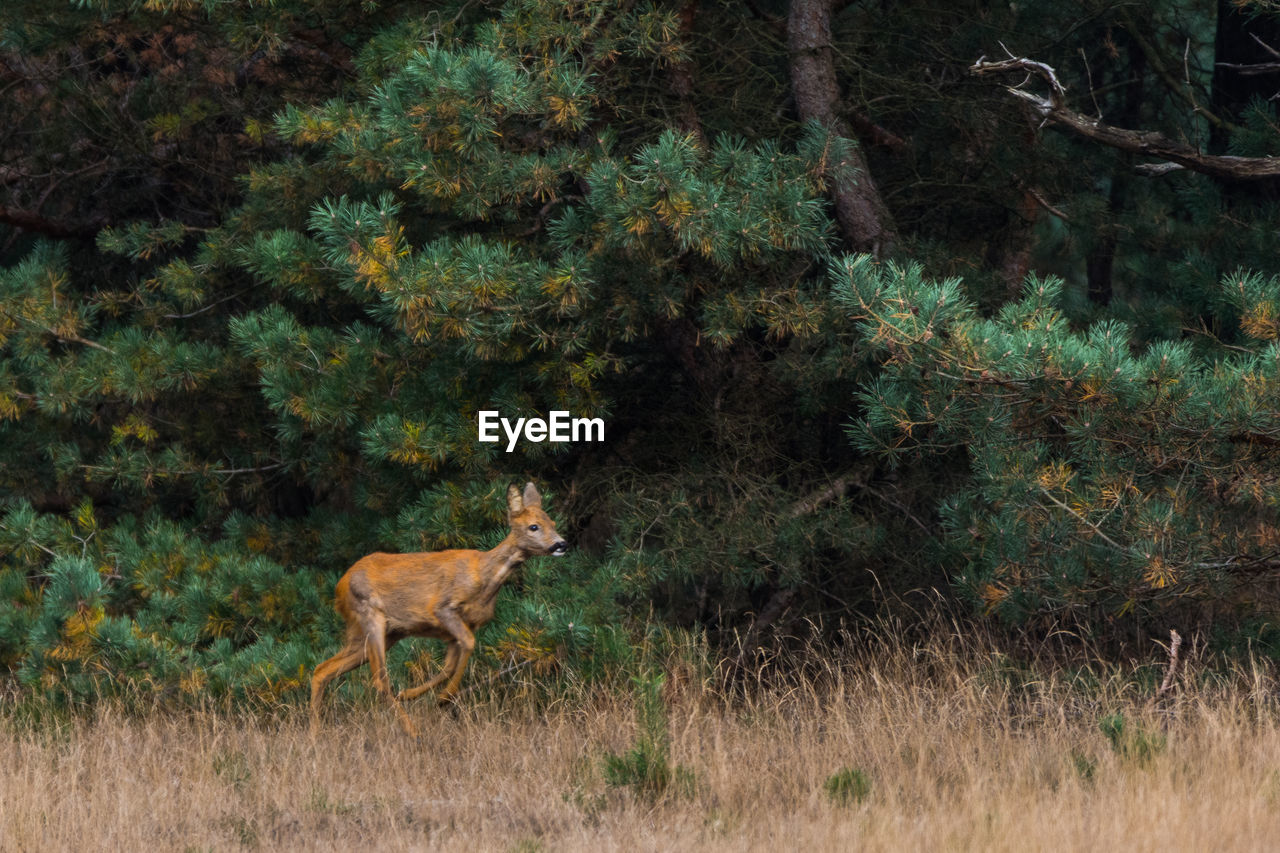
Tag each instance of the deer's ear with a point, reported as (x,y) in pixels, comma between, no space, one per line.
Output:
(532,500)
(515,503)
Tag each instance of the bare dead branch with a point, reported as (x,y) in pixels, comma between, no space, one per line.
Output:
(1253,70)
(835,491)
(1014,63)
(1175,644)
(1053,110)
(1086,522)
(776,23)
(1155,170)
(773,609)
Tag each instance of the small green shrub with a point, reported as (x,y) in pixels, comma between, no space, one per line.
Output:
(646,767)
(847,786)
(1131,741)
(1084,764)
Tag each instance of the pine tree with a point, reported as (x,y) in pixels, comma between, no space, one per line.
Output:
(1110,483)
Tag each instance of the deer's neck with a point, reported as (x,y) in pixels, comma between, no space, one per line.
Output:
(501,561)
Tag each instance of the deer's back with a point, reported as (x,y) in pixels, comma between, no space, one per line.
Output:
(410,589)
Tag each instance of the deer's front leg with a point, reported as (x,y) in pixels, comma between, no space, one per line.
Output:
(450,661)
(464,642)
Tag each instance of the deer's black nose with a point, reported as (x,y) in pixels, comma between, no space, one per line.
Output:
(560,547)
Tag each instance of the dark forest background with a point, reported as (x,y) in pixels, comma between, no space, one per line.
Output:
(970,300)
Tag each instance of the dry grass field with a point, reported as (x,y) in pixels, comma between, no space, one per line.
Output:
(940,752)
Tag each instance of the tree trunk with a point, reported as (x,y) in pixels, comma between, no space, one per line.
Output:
(864,220)
(682,77)
(1010,250)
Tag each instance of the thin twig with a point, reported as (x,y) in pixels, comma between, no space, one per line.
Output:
(493,678)
(1268,48)
(1040,200)
(1105,538)
(208,307)
(1092,94)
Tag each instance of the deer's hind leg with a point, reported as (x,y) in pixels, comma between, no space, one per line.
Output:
(343,662)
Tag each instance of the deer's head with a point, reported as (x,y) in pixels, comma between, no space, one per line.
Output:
(534,530)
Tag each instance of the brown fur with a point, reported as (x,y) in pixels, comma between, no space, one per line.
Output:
(446,595)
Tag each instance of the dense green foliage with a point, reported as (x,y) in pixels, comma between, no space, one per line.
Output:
(262,266)
(1106,480)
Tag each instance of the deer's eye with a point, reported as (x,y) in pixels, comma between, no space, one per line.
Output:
(533,527)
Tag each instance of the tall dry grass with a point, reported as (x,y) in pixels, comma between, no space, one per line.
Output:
(962,750)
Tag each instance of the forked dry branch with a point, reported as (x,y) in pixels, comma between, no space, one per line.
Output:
(1176,155)
(1175,646)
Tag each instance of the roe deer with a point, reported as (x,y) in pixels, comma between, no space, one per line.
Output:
(447,595)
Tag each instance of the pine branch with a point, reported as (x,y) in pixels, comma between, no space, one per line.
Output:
(187,472)
(208,307)
(258,469)
(76,339)
(1040,200)
(63,338)
(1149,143)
